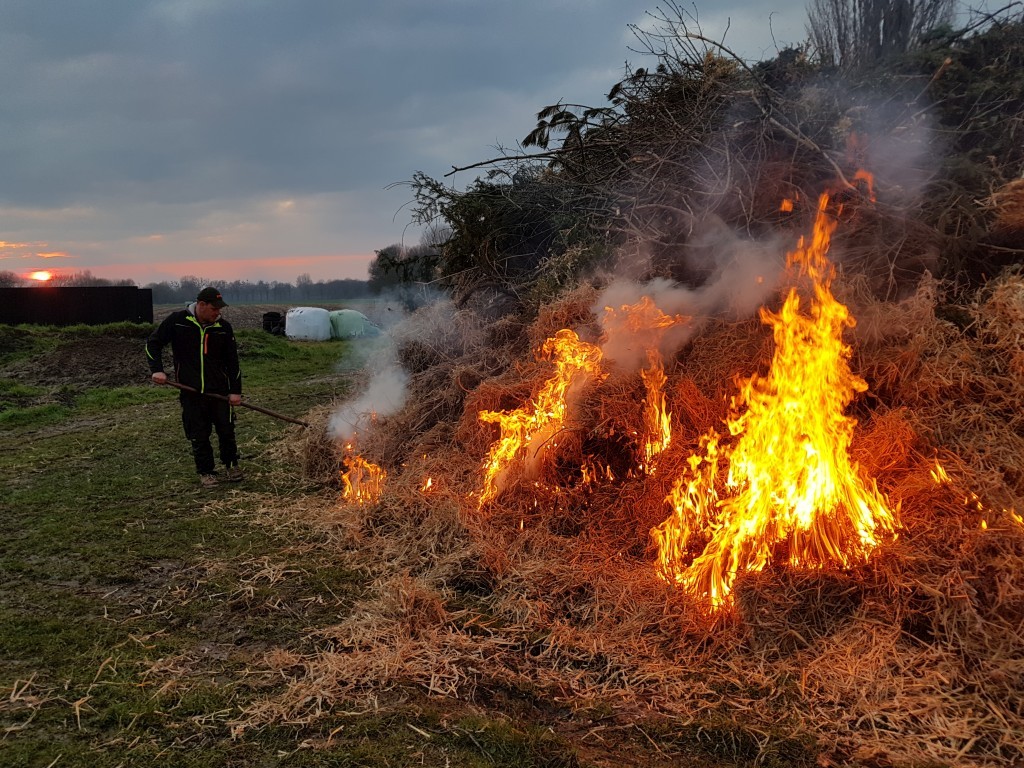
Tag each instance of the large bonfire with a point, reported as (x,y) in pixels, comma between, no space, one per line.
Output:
(789,473)
(711,534)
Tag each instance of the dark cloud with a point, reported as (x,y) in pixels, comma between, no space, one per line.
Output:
(204,98)
(189,105)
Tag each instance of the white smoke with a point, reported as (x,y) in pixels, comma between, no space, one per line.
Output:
(386,389)
(743,275)
(437,328)
(385,394)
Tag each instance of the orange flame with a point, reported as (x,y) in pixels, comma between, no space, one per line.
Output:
(786,205)
(869,180)
(527,432)
(789,473)
(657,419)
(363,481)
(646,322)
(973,502)
(939,475)
(592,472)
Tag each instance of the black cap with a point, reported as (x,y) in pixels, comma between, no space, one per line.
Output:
(212,296)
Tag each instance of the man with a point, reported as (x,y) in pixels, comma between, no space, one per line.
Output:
(205,359)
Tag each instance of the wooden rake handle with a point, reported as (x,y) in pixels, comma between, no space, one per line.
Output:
(244,404)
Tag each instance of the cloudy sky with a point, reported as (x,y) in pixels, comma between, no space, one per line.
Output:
(264,139)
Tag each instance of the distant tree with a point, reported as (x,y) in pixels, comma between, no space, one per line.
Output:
(854,33)
(9,280)
(163,292)
(282,291)
(346,289)
(84,279)
(189,287)
(397,265)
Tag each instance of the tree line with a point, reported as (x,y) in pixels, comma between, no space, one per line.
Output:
(305,288)
(186,288)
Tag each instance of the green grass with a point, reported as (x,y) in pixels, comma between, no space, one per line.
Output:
(132,607)
(135,609)
(34,415)
(15,390)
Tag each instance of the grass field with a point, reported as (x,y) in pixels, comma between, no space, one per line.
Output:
(135,608)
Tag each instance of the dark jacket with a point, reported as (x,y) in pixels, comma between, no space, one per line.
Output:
(204,358)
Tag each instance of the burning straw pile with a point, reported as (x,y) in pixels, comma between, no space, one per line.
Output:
(804,525)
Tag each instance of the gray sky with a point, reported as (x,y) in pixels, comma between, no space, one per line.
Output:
(258,139)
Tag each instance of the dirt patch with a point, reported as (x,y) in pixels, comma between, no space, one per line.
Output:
(103,361)
(86,362)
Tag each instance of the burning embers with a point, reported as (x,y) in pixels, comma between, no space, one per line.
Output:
(786,486)
(530,432)
(362,481)
(645,325)
(780,486)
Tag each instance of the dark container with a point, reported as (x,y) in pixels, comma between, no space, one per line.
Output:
(49,305)
(273,322)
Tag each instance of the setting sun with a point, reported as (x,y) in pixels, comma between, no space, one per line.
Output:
(42,276)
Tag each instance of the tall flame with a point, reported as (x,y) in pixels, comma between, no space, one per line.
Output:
(794,490)
(363,481)
(647,324)
(526,432)
(657,419)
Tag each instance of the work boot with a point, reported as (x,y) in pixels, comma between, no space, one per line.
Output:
(234,474)
(209,481)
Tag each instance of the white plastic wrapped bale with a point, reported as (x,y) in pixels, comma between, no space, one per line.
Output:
(350,324)
(307,324)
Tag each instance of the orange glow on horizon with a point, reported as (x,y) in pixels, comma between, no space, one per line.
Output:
(41,276)
(341,266)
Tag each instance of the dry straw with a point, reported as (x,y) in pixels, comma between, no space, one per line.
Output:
(1008,205)
(915,657)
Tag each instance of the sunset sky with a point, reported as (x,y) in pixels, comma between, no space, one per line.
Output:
(264,139)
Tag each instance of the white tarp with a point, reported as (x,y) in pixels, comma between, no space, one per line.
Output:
(308,324)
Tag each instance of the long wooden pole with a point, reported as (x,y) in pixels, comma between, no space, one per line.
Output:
(244,404)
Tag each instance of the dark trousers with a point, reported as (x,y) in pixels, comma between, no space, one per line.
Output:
(200,415)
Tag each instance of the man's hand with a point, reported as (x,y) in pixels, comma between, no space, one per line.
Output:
(159,377)
(235,399)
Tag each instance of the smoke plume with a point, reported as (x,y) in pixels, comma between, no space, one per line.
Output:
(743,275)
(385,394)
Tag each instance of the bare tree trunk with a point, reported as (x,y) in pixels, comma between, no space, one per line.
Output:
(853,33)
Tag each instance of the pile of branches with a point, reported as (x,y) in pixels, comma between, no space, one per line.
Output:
(549,592)
(701,142)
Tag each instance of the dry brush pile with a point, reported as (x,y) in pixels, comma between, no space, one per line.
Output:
(550,590)
(543,584)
